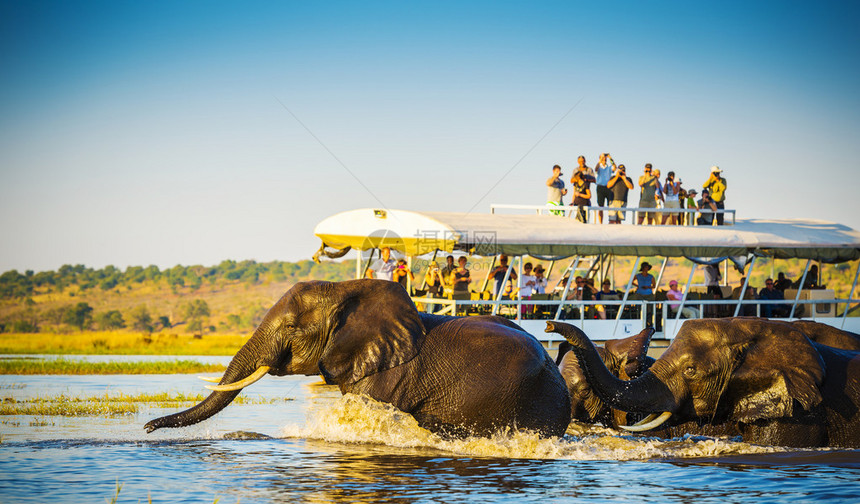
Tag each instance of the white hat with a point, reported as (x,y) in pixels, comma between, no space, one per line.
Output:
(715,169)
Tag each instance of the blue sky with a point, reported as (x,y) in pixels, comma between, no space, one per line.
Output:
(137,133)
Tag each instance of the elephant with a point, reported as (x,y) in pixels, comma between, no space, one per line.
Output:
(625,358)
(828,335)
(458,376)
(762,380)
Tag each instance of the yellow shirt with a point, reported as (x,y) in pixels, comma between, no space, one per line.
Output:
(717,188)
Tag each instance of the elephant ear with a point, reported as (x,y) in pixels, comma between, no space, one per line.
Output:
(376,327)
(778,369)
(634,349)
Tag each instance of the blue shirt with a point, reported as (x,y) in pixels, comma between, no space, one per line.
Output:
(645,284)
(604,173)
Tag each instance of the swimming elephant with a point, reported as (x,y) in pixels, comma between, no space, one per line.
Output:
(455,375)
(828,335)
(625,358)
(762,380)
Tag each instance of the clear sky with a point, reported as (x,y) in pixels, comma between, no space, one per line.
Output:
(137,133)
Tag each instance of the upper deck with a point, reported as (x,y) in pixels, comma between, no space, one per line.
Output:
(590,248)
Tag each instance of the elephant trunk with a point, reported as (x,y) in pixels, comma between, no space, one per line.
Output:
(646,394)
(242,365)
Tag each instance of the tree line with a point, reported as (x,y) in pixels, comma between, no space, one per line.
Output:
(23,314)
(14,284)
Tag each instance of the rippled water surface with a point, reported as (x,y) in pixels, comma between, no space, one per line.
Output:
(322,447)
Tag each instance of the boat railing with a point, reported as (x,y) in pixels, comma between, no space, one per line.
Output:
(645,312)
(688,214)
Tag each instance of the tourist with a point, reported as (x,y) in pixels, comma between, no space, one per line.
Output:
(435,283)
(706,207)
(671,194)
(782,282)
(605,170)
(644,281)
(607,293)
(771,293)
(460,278)
(619,185)
(498,273)
(540,280)
(581,181)
(746,309)
(690,204)
(716,184)
(448,270)
(648,197)
(555,190)
(403,275)
(383,268)
(673,294)
(527,287)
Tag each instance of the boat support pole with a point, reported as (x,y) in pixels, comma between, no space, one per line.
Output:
(744,287)
(660,274)
(850,295)
(501,292)
(571,270)
(487,279)
(626,293)
(800,288)
(683,301)
(519,286)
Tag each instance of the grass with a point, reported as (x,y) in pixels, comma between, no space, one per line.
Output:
(119,343)
(108,405)
(71,367)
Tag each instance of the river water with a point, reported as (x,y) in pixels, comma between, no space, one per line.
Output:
(323,447)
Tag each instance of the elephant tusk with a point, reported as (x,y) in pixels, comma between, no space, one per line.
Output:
(648,423)
(227,387)
(210,379)
(645,420)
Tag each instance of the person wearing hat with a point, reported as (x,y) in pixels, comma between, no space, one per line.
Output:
(555,190)
(645,283)
(690,203)
(716,184)
(673,294)
(540,280)
(706,207)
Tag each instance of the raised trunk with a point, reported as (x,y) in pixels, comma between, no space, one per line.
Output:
(646,394)
(242,365)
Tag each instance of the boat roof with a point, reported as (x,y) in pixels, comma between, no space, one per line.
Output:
(548,236)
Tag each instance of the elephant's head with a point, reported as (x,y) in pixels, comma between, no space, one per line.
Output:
(738,369)
(344,331)
(625,358)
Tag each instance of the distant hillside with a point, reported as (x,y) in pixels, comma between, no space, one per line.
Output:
(229,298)
(232,297)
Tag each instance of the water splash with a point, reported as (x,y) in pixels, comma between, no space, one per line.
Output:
(359,419)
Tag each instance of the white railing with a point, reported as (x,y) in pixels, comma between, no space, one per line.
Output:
(689,214)
(644,312)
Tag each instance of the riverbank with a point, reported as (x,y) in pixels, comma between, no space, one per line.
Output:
(120,343)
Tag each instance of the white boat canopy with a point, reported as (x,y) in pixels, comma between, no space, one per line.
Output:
(547,236)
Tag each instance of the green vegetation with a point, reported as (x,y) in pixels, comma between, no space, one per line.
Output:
(71,367)
(109,405)
(231,297)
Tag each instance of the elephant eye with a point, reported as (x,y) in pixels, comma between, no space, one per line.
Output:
(690,371)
